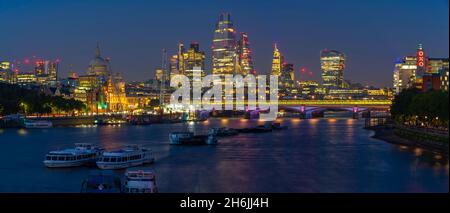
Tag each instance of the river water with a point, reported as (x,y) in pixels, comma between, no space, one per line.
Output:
(316,155)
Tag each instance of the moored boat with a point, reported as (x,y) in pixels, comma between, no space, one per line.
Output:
(139,182)
(188,138)
(82,154)
(277,126)
(101,183)
(223,131)
(128,156)
(37,124)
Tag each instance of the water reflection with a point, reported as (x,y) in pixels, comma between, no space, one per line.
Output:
(300,159)
(22,132)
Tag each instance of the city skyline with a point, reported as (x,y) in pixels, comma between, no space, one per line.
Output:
(135,46)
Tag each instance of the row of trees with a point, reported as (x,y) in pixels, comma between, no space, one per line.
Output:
(14,99)
(429,109)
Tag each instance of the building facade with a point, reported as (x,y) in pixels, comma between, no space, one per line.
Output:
(333,65)
(245,64)
(287,78)
(404,73)
(224,46)
(277,61)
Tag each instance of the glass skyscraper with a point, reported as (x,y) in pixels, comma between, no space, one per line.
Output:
(333,65)
(245,59)
(224,46)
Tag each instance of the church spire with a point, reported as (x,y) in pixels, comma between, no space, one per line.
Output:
(97,51)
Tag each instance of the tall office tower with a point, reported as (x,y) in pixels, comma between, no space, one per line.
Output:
(404,73)
(39,68)
(244,57)
(333,65)
(173,65)
(52,68)
(177,61)
(224,46)
(287,76)
(277,61)
(194,58)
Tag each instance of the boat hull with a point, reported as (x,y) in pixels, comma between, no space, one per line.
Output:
(65,164)
(123,165)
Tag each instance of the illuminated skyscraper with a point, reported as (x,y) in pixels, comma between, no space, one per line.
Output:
(194,58)
(39,68)
(6,73)
(52,68)
(277,61)
(224,46)
(333,65)
(245,65)
(287,76)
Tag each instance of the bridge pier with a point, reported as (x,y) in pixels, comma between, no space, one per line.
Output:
(302,112)
(355,112)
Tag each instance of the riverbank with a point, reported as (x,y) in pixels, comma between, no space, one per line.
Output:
(395,136)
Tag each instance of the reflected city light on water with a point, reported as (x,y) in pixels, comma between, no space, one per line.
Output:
(1,131)
(313,121)
(350,121)
(332,120)
(224,120)
(438,157)
(243,120)
(403,147)
(418,152)
(22,132)
(296,120)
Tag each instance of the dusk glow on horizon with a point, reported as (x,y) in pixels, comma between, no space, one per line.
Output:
(371,35)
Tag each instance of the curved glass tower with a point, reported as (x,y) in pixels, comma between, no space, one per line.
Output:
(224,46)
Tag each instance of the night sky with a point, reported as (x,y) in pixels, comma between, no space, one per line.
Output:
(372,33)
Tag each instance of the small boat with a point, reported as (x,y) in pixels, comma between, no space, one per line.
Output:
(102,122)
(188,138)
(139,182)
(223,131)
(37,124)
(277,126)
(129,156)
(101,183)
(82,154)
(258,129)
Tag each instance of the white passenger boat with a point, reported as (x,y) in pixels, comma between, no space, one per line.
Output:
(37,124)
(127,157)
(82,154)
(139,182)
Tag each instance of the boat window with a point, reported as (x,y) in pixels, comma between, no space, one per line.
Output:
(54,158)
(61,158)
(78,157)
(48,158)
(119,159)
(124,159)
(113,159)
(105,159)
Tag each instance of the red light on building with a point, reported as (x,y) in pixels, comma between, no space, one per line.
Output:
(420,57)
